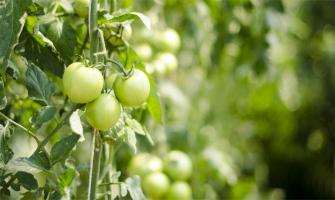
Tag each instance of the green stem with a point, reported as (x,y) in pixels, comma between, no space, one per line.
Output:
(21,127)
(93,29)
(59,125)
(108,150)
(95,165)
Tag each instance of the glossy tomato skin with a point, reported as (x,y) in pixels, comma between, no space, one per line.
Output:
(179,190)
(82,84)
(104,112)
(81,7)
(144,163)
(113,34)
(134,90)
(156,184)
(178,165)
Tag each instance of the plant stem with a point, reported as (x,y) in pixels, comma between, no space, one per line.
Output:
(21,127)
(108,150)
(95,165)
(59,125)
(93,29)
(96,145)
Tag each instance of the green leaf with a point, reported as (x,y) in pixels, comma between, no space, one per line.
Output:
(131,138)
(43,115)
(135,125)
(39,159)
(64,39)
(38,49)
(11,23)
(76,125)
(55,196)
(3,98)
(5,152)
(134,188)
(61,150)
(39,86)
(26,180)
(67,177)
(108,18)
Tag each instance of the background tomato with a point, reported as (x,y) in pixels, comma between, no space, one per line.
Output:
(103,112)
(134,90)
(179,190)
(178,165)
(143,164)
(156,184)
(82,84)
(167,40)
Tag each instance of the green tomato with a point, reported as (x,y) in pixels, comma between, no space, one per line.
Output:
(156,184)
(178,165)
(169,60)
(134,90)
(82,84)
(143,164)
(144,51)
(168,40)
(179,190)
(104,112)
(81,7)
(76,77)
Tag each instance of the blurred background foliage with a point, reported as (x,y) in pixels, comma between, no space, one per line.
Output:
(252,99)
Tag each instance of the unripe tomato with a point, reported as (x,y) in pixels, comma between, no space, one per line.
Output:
(134,90)
(103,112)
(113,34)
(169,60)
(168,40)
(81,7)
(144,51)
(156,184)
(82,84)
(179,190)
(143,164)
(178,165)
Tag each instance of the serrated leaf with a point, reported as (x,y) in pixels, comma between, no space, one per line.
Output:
(108,18)
(39,86)
(3,98)
(134,188)
(67,177)
(135,125)
(43,115)
(39,159)
(61,150)
(12,19)
(131,138)
(5,152)
(38,49)
(26,180)
(76,125)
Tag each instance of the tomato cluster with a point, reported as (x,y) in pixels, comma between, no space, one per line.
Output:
(84,85)
(165,179)
(165,43)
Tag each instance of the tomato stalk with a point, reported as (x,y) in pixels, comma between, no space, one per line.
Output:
(96,143)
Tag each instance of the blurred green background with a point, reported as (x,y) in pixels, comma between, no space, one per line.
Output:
(252,100)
